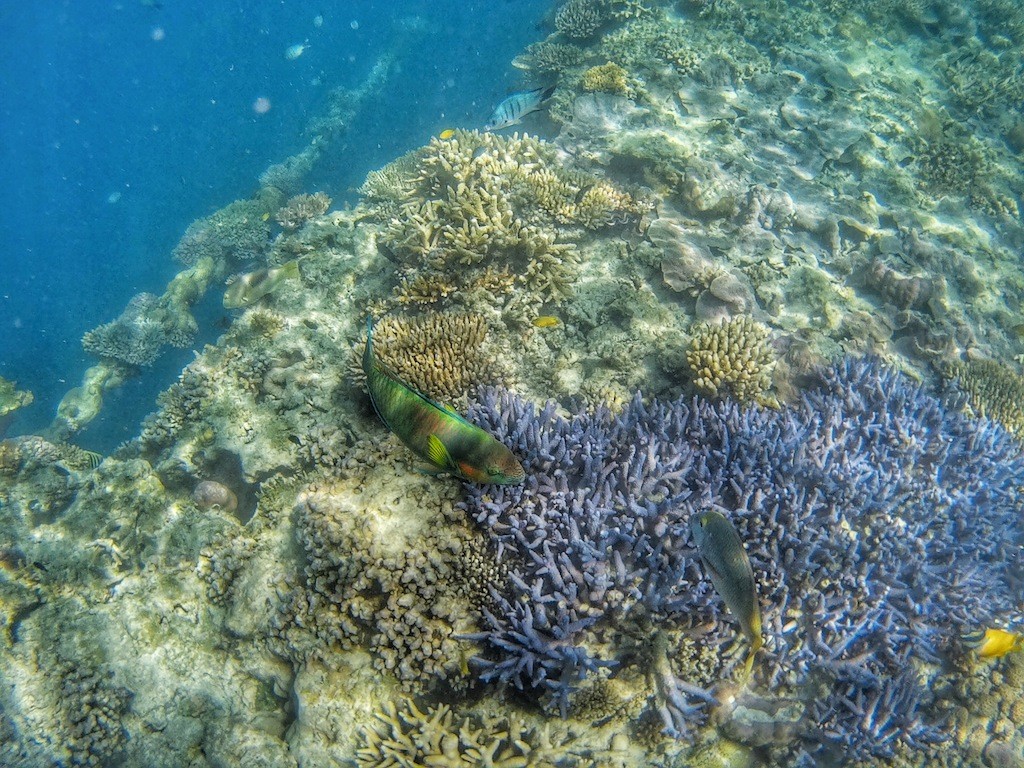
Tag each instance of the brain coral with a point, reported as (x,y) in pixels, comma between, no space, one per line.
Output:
(857,505)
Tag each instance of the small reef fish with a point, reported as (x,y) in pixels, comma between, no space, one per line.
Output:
(446,134)
(722,554)
(249,288)
(514,108)
(435,432)
(994,643)
(292,52)
(546,321)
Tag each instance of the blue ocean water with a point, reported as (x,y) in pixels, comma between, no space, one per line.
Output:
(122,122)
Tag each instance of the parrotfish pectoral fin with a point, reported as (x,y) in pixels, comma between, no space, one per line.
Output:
(438,453)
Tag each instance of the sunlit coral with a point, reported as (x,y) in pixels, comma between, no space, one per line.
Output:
(732,358)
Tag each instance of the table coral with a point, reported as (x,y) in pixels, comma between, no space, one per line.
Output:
(732,358)
(816,489)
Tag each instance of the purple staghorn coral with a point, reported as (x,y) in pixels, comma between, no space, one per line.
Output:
(878,523)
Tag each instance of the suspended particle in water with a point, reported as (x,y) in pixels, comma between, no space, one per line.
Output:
(354,24)
(157,34)
(261,105)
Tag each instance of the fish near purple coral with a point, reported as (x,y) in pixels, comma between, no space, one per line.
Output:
(435,432)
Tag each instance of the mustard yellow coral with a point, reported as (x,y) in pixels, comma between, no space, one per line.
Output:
(607,78)
(994,390)
(732,358)
(443,355)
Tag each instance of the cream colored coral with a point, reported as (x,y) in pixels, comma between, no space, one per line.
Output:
(443,355)
(732,358)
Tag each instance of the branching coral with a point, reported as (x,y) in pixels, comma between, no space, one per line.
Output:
(134,338)
(476,200)
(546,57)
(816,490)
(732,358)
(301,209)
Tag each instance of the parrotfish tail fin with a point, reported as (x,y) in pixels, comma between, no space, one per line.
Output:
(546,93)
(438,454)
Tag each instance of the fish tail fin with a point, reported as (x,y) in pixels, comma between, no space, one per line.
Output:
(547,93)
(368,357)
(291,269)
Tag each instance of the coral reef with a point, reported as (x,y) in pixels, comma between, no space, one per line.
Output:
(474,201)
(302,209)
(600,533)
(732,358)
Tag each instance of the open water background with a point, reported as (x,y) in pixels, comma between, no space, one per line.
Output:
(122,122)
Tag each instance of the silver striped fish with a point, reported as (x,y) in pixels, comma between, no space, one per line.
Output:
(515,107)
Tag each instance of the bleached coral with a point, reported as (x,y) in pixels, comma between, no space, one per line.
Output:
(732,358)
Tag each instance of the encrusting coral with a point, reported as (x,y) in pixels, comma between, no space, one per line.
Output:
(732,358)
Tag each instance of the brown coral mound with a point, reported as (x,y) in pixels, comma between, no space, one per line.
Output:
(994,391)
(732,358)
(443,355)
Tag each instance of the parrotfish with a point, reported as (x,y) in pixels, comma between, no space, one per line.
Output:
(435,432)
(726,562)
(994,643)
(246,289)
(516,106)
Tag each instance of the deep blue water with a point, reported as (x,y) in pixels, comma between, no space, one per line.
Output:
(122,122)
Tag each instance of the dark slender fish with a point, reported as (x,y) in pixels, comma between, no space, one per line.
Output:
(727,564)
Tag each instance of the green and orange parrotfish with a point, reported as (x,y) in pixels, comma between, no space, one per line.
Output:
(435,432)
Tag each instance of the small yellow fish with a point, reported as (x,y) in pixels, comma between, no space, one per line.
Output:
(265,217)
(546,321)
(994,643)
(446,134)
